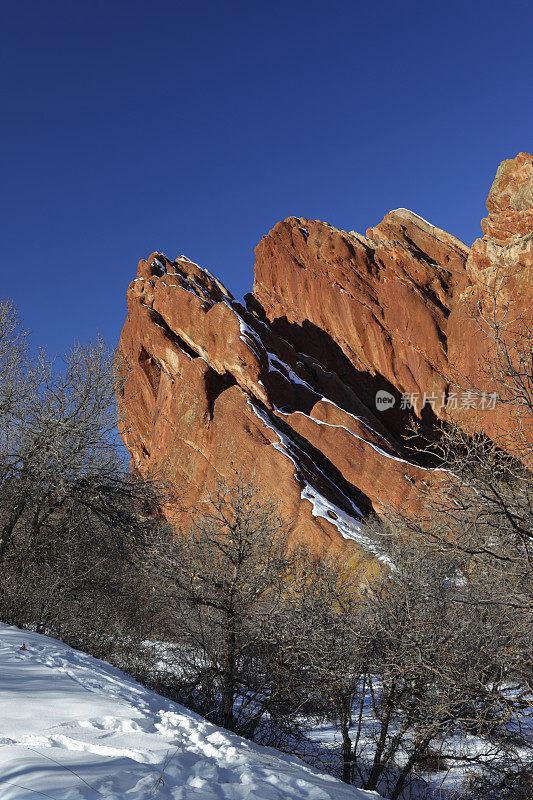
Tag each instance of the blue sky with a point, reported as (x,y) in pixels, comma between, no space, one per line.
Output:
(129,126)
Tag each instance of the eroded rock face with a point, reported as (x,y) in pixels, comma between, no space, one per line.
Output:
(285,387)
(499,292)
(383,299)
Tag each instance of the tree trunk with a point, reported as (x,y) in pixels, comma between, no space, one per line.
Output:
(377,766)
(228,675)
(344,714)
(9,527)
(408,766)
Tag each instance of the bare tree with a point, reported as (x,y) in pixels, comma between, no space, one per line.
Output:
(58,440)
(477,512)
(406,663)
(220,589)
(16,377)
(71,512)
(329,661)
(479,508)
(441,662)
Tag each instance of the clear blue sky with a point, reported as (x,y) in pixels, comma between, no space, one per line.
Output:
(193,128)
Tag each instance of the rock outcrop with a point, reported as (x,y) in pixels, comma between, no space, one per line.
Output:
(288,386)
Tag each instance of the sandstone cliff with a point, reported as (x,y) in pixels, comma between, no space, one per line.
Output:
(285,386)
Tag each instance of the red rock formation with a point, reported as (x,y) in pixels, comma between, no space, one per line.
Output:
(286,386)
(499,290)
(384,299)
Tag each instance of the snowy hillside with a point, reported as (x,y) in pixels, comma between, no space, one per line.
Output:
(74,728)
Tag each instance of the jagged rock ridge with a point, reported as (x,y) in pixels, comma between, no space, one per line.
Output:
(285,386)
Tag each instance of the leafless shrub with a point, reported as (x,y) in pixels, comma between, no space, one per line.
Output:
(70,510)
(220,588)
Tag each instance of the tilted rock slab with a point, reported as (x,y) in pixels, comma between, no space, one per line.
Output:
(284,388)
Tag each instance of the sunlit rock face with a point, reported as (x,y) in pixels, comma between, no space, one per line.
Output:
(308,385)
(499,294)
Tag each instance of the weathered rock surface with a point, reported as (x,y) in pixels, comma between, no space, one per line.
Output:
(286,386)
(499,292)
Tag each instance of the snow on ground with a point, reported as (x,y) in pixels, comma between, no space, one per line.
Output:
(462,754)
(75,728)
